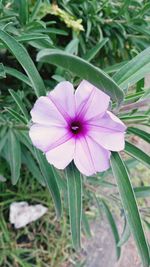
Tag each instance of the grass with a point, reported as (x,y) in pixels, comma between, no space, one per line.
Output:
(43,243)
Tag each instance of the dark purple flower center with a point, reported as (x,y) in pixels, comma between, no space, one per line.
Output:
(76,127)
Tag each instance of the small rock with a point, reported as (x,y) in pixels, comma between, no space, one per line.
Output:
(21,213)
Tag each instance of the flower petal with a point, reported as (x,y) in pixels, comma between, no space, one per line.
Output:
(108,131)
(43,137)
(90,157)
(45,112)
(64,94)
(61,155)
(90,101)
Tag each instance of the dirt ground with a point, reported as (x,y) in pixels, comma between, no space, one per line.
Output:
(100,249)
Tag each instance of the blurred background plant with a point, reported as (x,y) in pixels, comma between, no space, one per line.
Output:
(108,34)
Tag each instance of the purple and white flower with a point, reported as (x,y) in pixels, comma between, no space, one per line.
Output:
(76,125)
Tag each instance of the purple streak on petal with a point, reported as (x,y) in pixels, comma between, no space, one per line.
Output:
(63,139)
(107,131)
(60,108)
(116,120)
(99,128)
(108,121)
(45,112)
(63,93)
(98,103)
(44,136)
(62,155)
(110,141)
(82,158)
(82,109)
(90,157)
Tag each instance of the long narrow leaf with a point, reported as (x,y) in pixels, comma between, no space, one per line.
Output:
(142,191)
(20,104)
(35,10)
(125,235)
(142,134)
(93,52)
(84,70)
(134,70)
(74,185)
(113,226)
(130,206)
(17,74)
(23,11)
(86,225)
(16,115)
(3,140)
(137,153)
(2,71)
(32,166)
(24,59)
(14,156)
(49,180)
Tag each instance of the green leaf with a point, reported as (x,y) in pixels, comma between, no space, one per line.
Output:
(86,225)
(137,153)
(115,67)
(16,115)
(145,9)
(142,191)
(74,185)
(135,118)
(17,74)
(62,183)
(19,104)
(140,29)
(24,139)
(23,11)
(51,30)
(32,37)
(140,85)
(142,134)
(26,62)
(130,206)
(2,71)
(3,140)
(32,166)
(93,52)
(58,78)
(49,180)
(124,7)
(72,47)
(42,43)
(82,69)
(133,97)
(14,157)
(134,70)
(35,10)
(125,235)
(113,226)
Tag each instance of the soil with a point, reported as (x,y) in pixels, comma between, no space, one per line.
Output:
(100,249)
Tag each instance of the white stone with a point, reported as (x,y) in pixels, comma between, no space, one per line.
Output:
(21,213)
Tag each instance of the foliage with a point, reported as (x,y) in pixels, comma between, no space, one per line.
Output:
(35,244)
(124,23)
(111,35)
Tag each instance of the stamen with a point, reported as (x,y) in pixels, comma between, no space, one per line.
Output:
(76,127)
